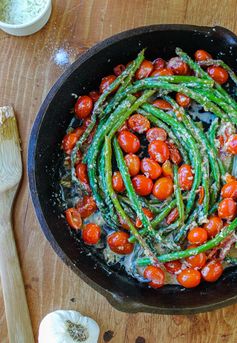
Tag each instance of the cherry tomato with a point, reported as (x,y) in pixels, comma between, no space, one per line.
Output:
(229,178)
(185,176)
(162,72)
(73,218)
(201,195)
(163,188)
(148,214)
(128,142)
(144,70)
(197,236)
(133,163)
(139,123)
(106,82)
(212,271)
(81,172)
(79,131)
(159,63)
(69,141)
(229,190)
(196,261)
(124,127)
(91,233)
(156,133)
(119,69)
(172,216)
(142,185)
(117,181)
(219,74)
(159,151)
(202,55)
(150,168)
(214,226)
(83,106)
(182,99)
(155,275)
(227,209)
(173,267)
(86,206)
(118,243)
(175,156)
(167,169)
(189,278)
(162,104)
(232,144)
(94,95)
(178,66)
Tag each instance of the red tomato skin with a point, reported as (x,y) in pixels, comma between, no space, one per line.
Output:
(83,107)
(139,123)
(144,70)
(202,55)
(197,235)
(73,218)
(118,243)
(119,69)
(128,142)
(175,155)
(162,72)
(81,172)
(227,209)
(156,133)
(162,104)
(229,190)
(178,66)
(212,271)
(69,141)
(167,169)
(163,188)
(117,182)
(142,185)
(133,163)
(185,177)
(231,144)
(219,74)
(150,168)
(189,278)
(106,82)
(172,216)
(214,226)
(173,267)
(196,261)
(159,63)
(156,275)
(91,233)
(148,214)
(94,95)
(86,206)
(182,99)
(159,151)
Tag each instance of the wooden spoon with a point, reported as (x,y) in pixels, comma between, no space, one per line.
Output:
(17,313)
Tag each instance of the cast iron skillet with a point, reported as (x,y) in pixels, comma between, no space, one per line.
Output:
(125,293)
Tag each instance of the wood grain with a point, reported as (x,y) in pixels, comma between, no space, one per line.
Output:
(27,71)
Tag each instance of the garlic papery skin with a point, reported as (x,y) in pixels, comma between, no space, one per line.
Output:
(68,327)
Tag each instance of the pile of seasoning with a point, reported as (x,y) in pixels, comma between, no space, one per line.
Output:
(17,12)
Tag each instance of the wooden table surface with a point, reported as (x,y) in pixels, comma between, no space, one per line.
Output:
(28,68)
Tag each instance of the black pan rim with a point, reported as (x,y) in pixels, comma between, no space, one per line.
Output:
(121,303)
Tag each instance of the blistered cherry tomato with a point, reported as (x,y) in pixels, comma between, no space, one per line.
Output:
(106,82)
(73,218)
(69,141)
(182,99)
(162,104)
(159,63)
(83,106)
(150,168)
(148,214)
(175,155)
(155,275)
(163,188)
(81,172)
(178,66)
(133,163)
(117,181)
(214,226)
(156,133)
(119,69)
(118,243)
(173,267)
(172,216)
(162,72)
(124,223)
(201,194)
(232,144)
(185,177)
(128,142)
(227,209)
(139,123)
(219,74)
(229,190)
(197,236)
(189,278)
(142,185)
(196,261)
(167,169)
(212,271)
(159,151)
(86,206)
(144,70)
(91,233)
(94,95)
(202,55)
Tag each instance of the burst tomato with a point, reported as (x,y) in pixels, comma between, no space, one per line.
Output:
(144,70)
(178,66)
(73,218)
(139,123)
(173,267)
(119,69)
(81,172)
(185,177)
(118,243)
(156,133)
(91,233)
(172,216)
(231,144)
(106,82)
(162,104)
(86,206)
(175,155)
(182,99)
(148,214)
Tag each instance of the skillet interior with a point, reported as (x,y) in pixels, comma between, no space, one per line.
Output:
(50,125)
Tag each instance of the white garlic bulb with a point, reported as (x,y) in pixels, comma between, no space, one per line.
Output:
(68,327)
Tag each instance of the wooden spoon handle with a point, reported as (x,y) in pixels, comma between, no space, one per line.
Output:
(17,313)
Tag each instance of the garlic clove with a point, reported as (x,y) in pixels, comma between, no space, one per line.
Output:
(68,327)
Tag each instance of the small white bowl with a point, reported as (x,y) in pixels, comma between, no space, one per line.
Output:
(30,27)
